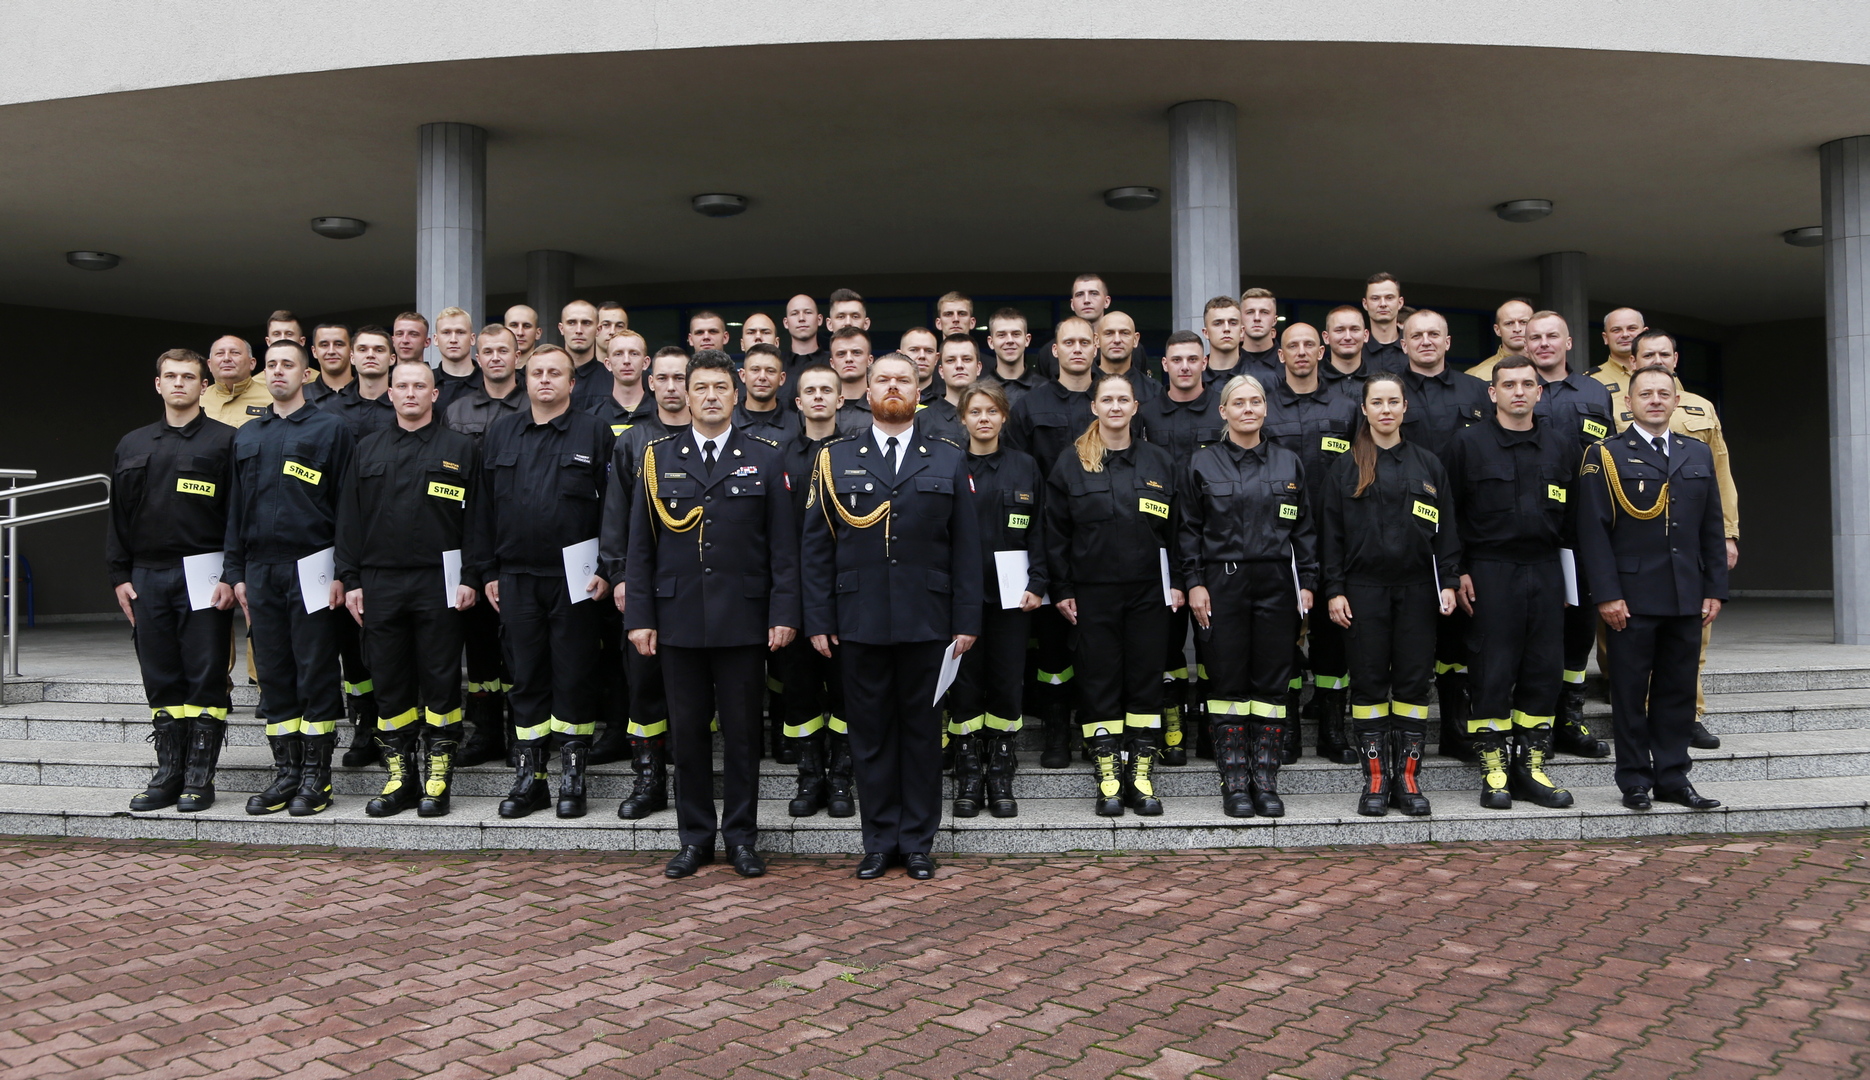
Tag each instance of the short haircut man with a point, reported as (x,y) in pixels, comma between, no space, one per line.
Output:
(524,322)
(284,324)
(707,330)
(846,309)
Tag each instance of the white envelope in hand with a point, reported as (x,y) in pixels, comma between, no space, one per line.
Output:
(315,573)
(580,568)
(203,573)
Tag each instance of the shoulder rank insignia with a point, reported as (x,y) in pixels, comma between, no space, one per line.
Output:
(1694,410)
(1290,486)
(1428,487)
(451,465)
(1157,484)
(762,438)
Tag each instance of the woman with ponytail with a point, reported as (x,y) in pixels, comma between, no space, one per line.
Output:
(1389,568)
(1110,515)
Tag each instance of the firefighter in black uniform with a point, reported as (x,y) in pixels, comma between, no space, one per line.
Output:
(168,501)
(542,475)
(403,508)
(812,705)
(1248,548)
(892,574)
(1181,420)
(287,464)
(1512,479)
(1315,418)
(712,580)
(1389,565)
(1110,508)
(1571,402)
(1045,421)
(987,705)
(494,395)
(1650,543)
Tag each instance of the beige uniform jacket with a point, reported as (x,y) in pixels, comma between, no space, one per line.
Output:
(1484,369)
(1694,417)
(246,402)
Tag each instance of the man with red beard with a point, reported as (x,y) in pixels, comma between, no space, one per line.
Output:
(891,574)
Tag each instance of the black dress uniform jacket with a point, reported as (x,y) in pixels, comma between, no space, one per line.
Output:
(1316,426)
(285,488)
(617,418)
(1245,505)
(734,570)
(623,486)
(1111,527)
(1513,491)
(364,416)
(405,501)
(1440,405)
(1047,420)
(914,574)
(1580,405)
(775,425)
(169,495)
(544,490)
(1180,427)
(1664,566)
(1389,535)
(1009,498)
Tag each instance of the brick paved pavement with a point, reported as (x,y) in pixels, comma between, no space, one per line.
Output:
(1542,960)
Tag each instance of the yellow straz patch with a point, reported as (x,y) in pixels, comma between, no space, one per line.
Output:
(310,476)
(1288,512)
(1595,430)
(195,487)
(1334,444)
(1151,506)
(1555,493)
(1427,512)
(1018,521)
(447,491)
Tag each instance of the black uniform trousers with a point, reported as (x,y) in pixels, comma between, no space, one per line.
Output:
(295,652)
(814,697)
(1053,684)
(701,683)
(648,695)
(1325,644)
(613,645)
(1391,649)
(551,649)
(1249,641)
(413,644)
(1515,643)
(1451,642)
(351,659)
(895,733)
(486,664)
(988,691)
(1580,636)
(1176,669)
(1654,662)
(183,653)
(1117,650)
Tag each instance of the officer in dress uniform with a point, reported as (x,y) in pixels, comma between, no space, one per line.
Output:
(891,561)
(168,501)
(712,587)
(1649,540)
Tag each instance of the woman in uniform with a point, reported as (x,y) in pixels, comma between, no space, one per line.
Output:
(1248,550)
(985,707)
(1389,569)
(1109,519)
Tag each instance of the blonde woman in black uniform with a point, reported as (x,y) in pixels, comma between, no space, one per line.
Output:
(1110,523)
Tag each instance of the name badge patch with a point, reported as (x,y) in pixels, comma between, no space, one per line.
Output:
(447,491)
(1018,521)
(1555,493)
(1151,506)
(195,487)
(310,476)
(1333,444)
(1595,430)
(1427,511)
(1288,512)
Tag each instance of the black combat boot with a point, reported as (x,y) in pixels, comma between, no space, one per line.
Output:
(1526,776)
(1002,767)
(1701,738)
(1057,751)
(1109,772)
(1405,772)
(170,734)
(1139,783)
(1198,719)
(1575,736)
(650,792)
(787,749)
(810,798)
(205,736)
(1334,733)
(840,771)
(1269,740)
(486,715)
(611,745)
(402,789)
(970,776)
(314,794)
(571,762)
(1490,747)
(1289,748)
(1174,748)
(1456,711)
(1234,755)
(288,762)
(532,789)
(1374,799)
(442,743)
(362,709)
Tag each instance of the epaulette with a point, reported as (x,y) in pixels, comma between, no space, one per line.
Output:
(761,439)
(946,439)
(846,437)
(665,437)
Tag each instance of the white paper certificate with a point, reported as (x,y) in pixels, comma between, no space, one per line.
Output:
(451,576)
(1014,569)
(203,573)
(1167,600)
(315,573)
(580,568)
(1568,563)
(950,667)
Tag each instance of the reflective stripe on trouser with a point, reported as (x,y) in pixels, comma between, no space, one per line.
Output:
(553,651)
(1002,723)
(1491,723)
(1516,639)
(1331,682)
(412,645)
(399,721)
(811,726)
(182,653)
(1060,678)
(1129,722)
(1391,651)
(312,728)
(1370,712)
(357,689)
(1526,720)
(1574,677)
(561,727)
(836,725)
(1250,643)
(967,726)
(441,719)
(192,711)
(277,728)
(643,731)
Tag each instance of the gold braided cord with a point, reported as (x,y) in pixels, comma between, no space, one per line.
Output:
(826,486)
(1612,481)
(650,483)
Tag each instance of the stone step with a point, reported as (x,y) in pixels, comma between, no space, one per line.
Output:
(245,769)
(1055,825)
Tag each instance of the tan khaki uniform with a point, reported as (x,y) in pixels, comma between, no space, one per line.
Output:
(247,401)
(1484,369)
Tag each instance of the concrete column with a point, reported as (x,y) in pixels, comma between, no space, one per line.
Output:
(548,289)
(1204,208)
(451,222)
(1844,166)
(1562,289)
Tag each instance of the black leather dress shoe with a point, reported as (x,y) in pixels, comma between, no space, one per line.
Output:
(921,865)
(1637,800)
(1687,796)
(747,862)
(1702,739)
(688,860)
(872,865)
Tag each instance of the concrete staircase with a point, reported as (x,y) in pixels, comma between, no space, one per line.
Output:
(1795,755)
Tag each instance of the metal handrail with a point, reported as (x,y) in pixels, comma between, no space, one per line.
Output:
(14,521)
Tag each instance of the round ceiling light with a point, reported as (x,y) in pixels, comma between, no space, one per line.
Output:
(1520,211)
(1132,198)
(92,260)
(718,204)
(339,228)
(1809,236)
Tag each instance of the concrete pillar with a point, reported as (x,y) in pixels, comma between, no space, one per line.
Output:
(548,289)
(1562,289)
(451,222)
(1844,167)
(1204,208)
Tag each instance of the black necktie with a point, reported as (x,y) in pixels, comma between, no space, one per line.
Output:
(707,455)
(1661,445)
(889,451)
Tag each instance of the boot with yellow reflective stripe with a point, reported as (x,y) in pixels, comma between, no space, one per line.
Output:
(1526,776)
(440,752)
(1174,750)
(1109,772)
(1373,748)
(650,791)
(288,761)
(1490,747)
(402,789)
(170,734)
(970,775)
(1002,765)
(532,789)
(1572,734)
(314,794)
(205,735)
(1139,785)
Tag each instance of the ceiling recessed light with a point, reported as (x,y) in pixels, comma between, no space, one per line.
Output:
(1132,198)
(92,260)
(1809,236)
(1521,211)
(718,204)
(339,228)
